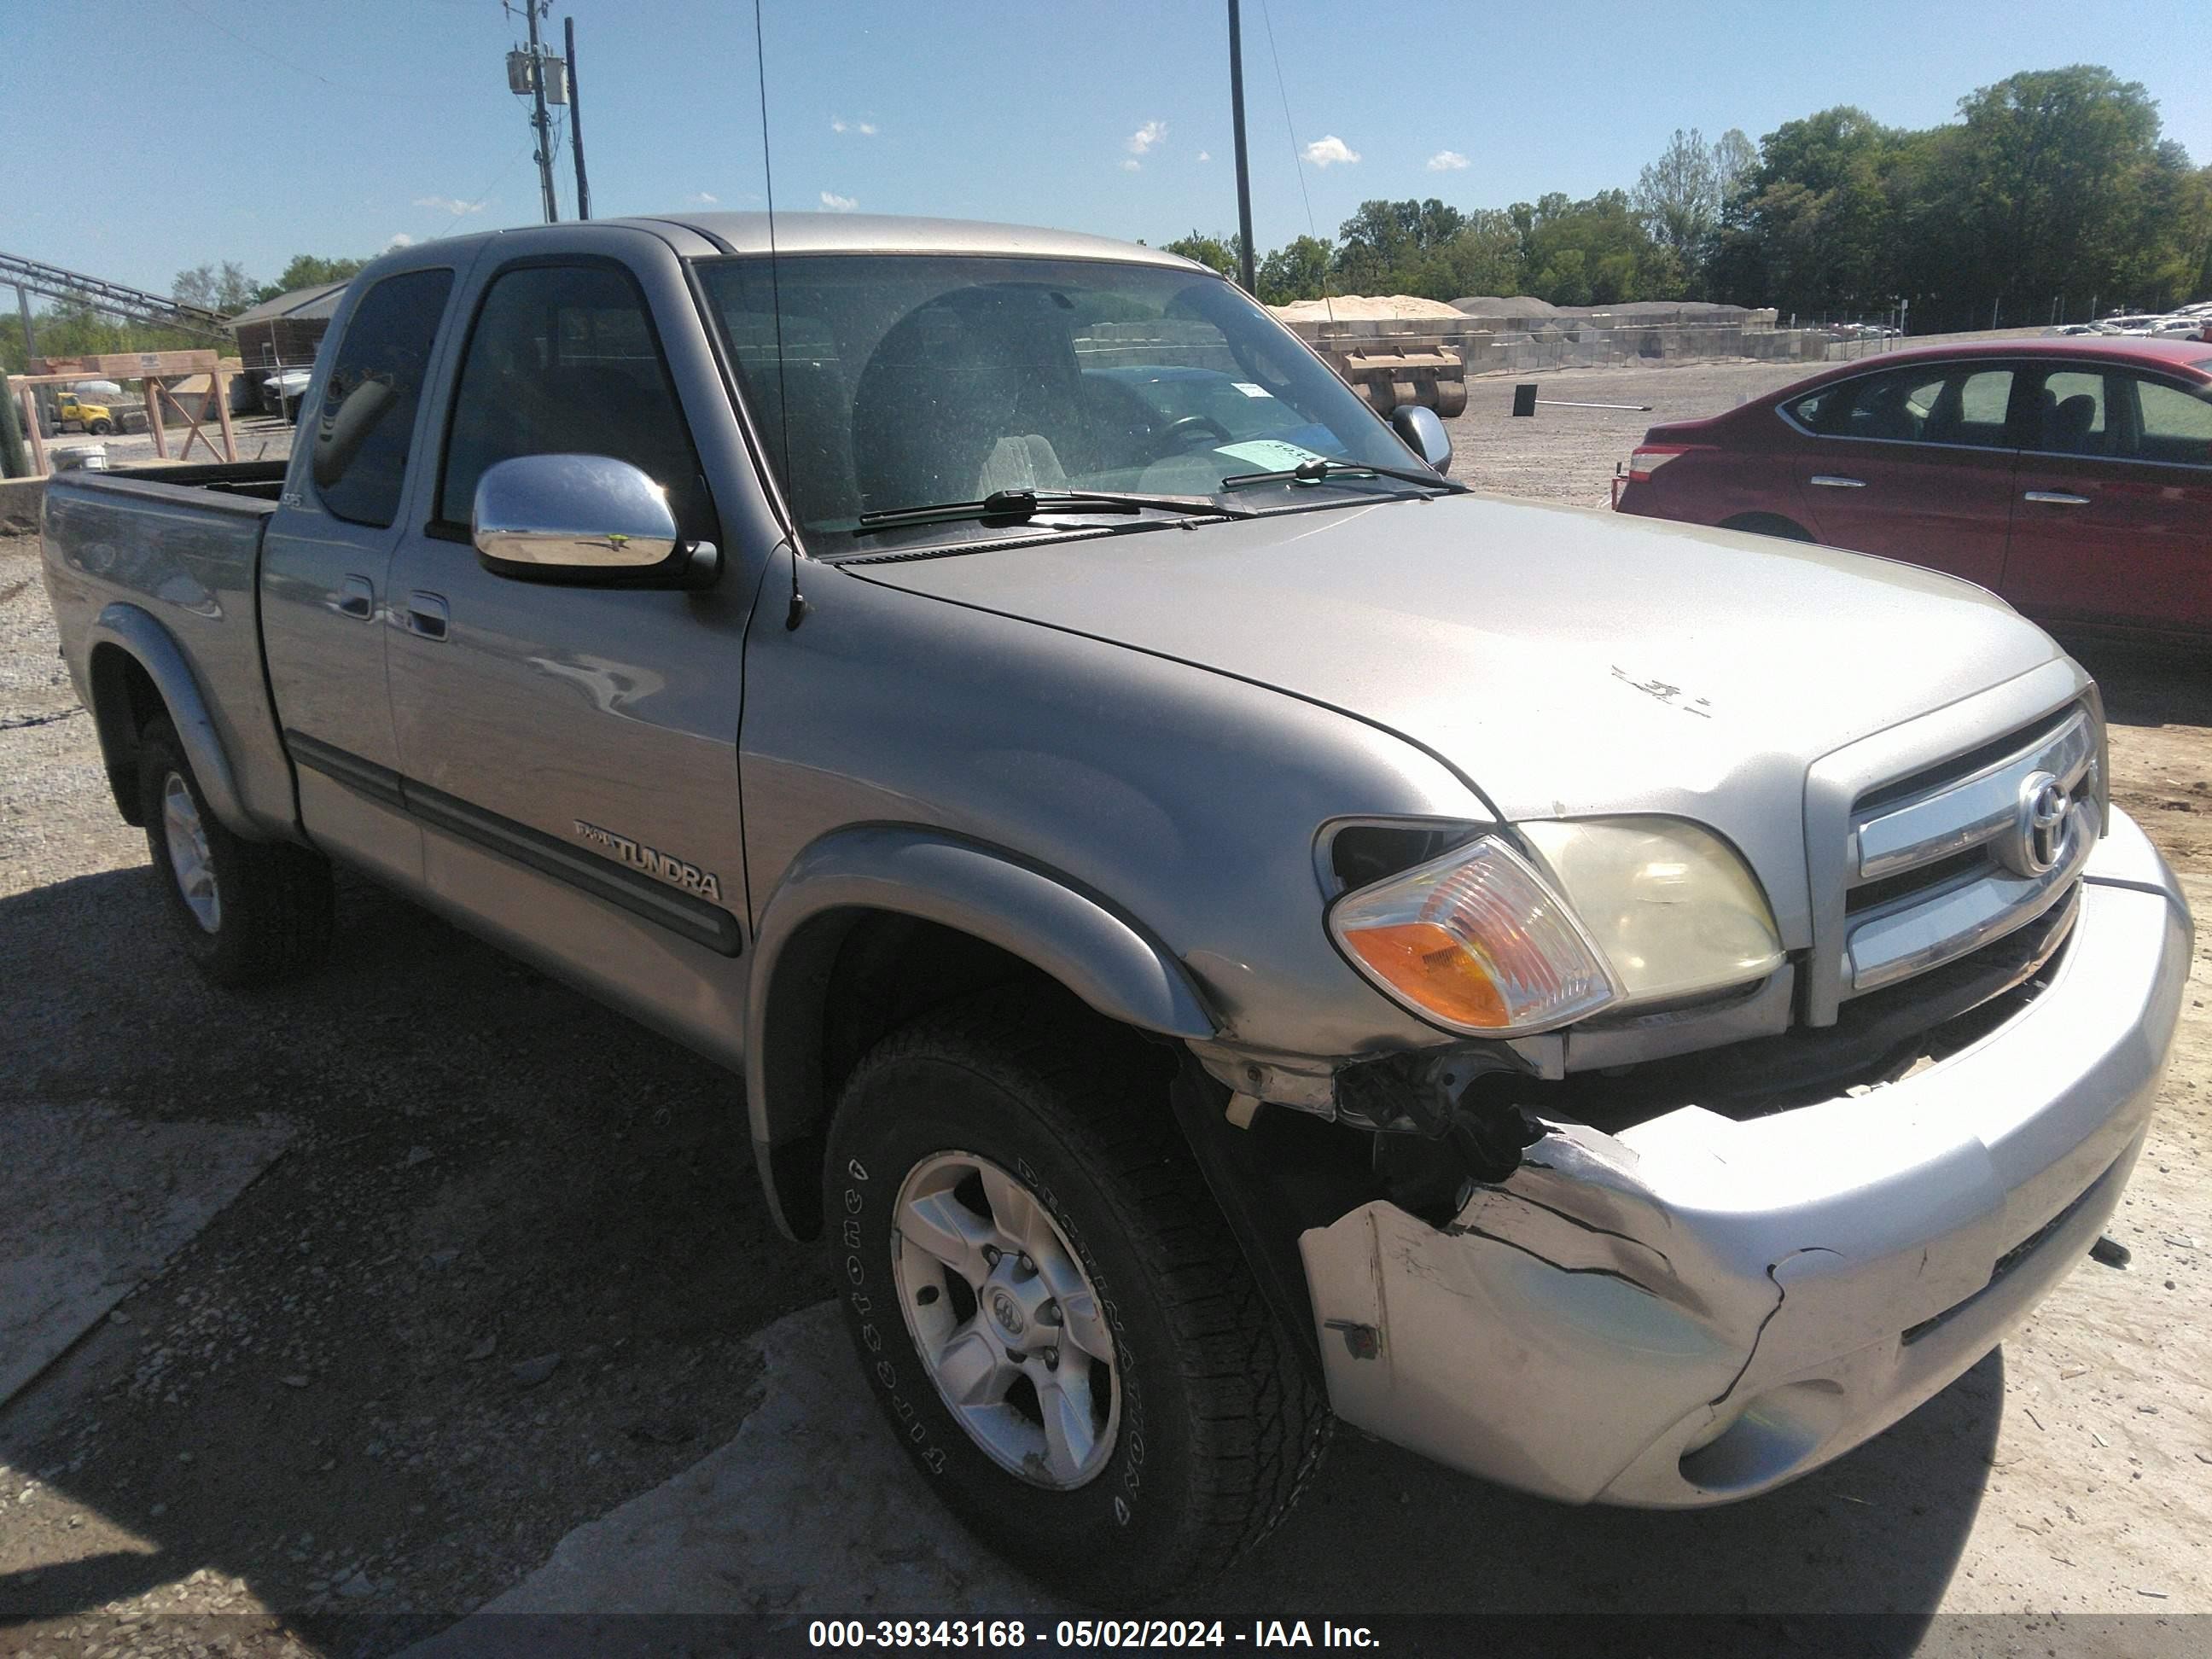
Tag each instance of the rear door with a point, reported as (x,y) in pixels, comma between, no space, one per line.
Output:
(571,752)
(324,564)
(2113,523)
(1913,463)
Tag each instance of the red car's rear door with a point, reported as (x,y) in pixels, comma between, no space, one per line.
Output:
(2111,522)
(1913,463)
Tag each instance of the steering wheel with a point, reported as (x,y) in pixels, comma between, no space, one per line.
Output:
(1177,435)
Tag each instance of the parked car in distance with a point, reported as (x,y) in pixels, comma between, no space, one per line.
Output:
(281,389)
(2071,477)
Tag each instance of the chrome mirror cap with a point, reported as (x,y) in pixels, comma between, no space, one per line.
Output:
(572,512)
(1424,433)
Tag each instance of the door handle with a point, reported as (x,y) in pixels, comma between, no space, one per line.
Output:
(427,615)
(356,598)
(2055,498)
(1830,481)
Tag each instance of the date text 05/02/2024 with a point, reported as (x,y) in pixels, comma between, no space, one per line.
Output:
(1074,1633)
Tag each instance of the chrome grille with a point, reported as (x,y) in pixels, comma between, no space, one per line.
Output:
(1997,840)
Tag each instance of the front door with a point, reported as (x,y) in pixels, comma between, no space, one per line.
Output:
(2111,525)
(571,752)
(1913,463)
(324,569)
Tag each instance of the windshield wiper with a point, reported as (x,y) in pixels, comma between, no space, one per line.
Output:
(1321,467)
(1020,505)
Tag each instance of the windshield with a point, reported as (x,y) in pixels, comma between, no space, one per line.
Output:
(914,380)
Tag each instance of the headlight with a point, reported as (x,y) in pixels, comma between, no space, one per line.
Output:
(1475,941)
(1669,904)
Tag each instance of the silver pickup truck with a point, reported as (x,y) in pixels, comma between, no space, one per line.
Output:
(1221,927)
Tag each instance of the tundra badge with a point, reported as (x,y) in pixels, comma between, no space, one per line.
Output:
(673,871)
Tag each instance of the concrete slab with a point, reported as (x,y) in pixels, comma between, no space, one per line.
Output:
(93,1202)
(811,1512)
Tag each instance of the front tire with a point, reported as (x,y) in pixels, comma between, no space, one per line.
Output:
(247,913)
(1050,1308)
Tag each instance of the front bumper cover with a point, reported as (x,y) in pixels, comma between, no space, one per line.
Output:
(1701,1308)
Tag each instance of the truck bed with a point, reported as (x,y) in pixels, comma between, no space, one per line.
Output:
(173,552)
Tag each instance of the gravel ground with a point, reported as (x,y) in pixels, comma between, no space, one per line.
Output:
(258,437)
(502,1277)
(1567,455)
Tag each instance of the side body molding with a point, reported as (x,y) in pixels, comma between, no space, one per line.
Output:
(1099,954)
(141,636)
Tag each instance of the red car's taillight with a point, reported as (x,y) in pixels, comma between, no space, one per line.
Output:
(1648,458)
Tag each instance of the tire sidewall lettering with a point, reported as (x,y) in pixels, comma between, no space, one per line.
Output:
(1120,1490)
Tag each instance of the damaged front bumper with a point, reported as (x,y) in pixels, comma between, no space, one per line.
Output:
(1700,1308)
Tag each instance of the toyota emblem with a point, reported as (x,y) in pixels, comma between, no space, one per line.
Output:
(2038,825)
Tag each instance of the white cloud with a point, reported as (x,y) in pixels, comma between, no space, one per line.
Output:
(702,198)
(401,239)
(1130,164)
(1446,161)
(837,204)
(1329,151)
(449,204)
(839,124)
(1206,156)
(1146,137)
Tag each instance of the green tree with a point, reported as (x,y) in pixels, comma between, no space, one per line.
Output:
(1297,270)
(1818,229)
(1678,197)
(1595,251)
(308,270)
(1215,252)
(228,288)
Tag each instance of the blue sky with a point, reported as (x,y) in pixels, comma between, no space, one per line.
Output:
(332,126)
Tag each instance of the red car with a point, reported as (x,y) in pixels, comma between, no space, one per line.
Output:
(2072,477)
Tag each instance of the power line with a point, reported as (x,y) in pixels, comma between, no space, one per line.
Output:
(1291,133)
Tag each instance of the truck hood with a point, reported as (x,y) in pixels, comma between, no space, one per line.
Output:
(1564,662)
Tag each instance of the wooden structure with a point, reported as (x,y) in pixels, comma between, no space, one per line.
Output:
(286,331)
(149,367)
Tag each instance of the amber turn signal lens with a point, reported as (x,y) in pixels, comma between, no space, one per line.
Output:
(1475,941)
(1429,966)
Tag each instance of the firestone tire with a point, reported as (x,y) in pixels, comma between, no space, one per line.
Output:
(247,913)
(1207,1427)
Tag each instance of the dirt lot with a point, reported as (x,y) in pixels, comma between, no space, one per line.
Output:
(501,1276)
(258,437)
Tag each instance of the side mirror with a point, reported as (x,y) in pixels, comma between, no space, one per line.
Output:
(1423,433)
(585,520)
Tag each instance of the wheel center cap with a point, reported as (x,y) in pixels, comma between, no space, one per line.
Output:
(1008,1313)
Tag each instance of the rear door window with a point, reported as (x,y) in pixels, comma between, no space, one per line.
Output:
(359,459)
(2173,426)
(564,360)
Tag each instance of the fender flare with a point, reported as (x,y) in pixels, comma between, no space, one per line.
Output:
(1102,957)
(141,636)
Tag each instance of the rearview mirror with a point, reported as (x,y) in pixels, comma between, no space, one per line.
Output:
(579,518)
(1424,433)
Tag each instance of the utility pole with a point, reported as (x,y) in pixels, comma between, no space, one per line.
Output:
(539,123)
(576,122)
(1244,172)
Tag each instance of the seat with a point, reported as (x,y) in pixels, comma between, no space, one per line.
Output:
(2066,425)
(1028,462)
